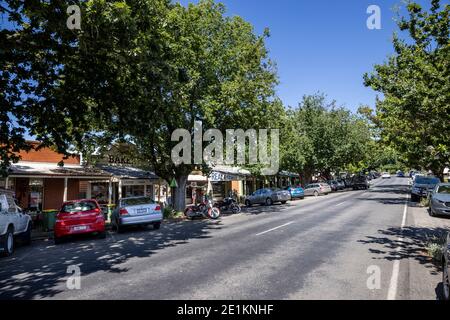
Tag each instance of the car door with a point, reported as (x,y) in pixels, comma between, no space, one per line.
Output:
(308,190)
(254,196)
(260,196)
(16,216)
(3,213)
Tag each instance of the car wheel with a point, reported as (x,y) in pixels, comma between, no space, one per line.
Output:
(430,211)
(58,240)
(445,280)
(157,225)
(102,235)
(248,203)
(414,198)
(269,202)
(316,194)
(302,198)
(283,202)
(26,237)
(8,243)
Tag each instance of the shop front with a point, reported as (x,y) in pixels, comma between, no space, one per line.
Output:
(38,187)
(127,182)
(229,182)
(196,188)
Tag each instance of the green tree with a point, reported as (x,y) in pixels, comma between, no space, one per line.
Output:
(321,138)
(137,71)
(414,114)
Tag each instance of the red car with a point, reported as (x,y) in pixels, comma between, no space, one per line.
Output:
(79,217)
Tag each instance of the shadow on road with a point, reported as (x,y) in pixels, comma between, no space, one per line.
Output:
(412,246)
(259,209)
(37,270)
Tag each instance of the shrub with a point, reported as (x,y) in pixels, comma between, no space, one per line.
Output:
(170,213)
(435,246)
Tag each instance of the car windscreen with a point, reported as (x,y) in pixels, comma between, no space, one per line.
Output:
(79,206)
(444,189)
(425,180)
(136,201)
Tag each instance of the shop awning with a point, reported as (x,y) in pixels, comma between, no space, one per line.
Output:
(228,173)
(288,174)
(41,169)
(128,172)
(197,178)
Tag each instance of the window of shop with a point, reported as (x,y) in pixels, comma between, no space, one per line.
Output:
(133,191)
(100,192)
(36,194)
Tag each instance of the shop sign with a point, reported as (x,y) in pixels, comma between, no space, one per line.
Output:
(135,182)
(219,176)
(119,160)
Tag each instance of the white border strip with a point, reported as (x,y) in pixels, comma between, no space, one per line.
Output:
(393,285)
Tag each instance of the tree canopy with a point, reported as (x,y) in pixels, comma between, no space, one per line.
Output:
(414,114)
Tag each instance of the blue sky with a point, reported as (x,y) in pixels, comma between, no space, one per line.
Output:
(321,45)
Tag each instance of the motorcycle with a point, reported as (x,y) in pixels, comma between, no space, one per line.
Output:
(228,204)
(204,209)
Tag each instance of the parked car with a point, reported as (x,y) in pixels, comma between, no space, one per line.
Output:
(333,185)
(440,200)
(348,182)
(296,192)
(422,186)
(400,174)
(386,175)
(14,224)
(317,189)
(79,217)
(136,211)
(268,196)
(341,184)
(360,182)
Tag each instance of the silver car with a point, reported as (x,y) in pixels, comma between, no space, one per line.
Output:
(440,200)
(136,211)
(422,186)
(317,189)
(268,196)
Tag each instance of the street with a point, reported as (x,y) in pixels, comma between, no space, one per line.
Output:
(318,248)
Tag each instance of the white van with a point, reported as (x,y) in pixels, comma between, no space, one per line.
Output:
(13,223)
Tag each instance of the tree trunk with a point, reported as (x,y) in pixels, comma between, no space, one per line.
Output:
(305,177)
(179,194)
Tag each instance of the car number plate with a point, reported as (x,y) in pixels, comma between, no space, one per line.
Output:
(141,210)
(79,228)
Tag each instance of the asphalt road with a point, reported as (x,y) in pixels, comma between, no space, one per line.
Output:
(330,247)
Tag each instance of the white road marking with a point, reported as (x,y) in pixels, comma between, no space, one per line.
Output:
(392,292)
(284,225)
(340,204)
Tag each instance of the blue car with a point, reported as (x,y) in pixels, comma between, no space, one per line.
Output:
(296,192)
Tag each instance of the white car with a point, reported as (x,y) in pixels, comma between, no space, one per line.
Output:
(386,175)
(13,224)
(137,211)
